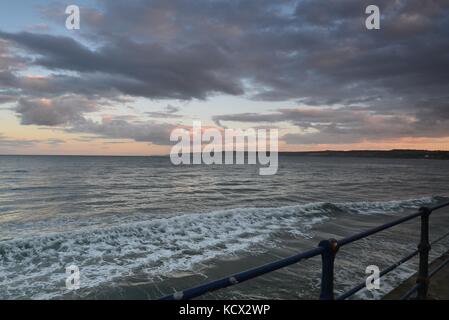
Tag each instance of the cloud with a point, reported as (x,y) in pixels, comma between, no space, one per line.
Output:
(53,112)
(137,69)
(169,112)
(6,142)
(391,82)
(285,50)
(152,132)
(194,50)
(4,98)
(9,60)
(55,141)
(351,124)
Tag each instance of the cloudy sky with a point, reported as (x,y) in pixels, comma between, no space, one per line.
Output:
(138,69)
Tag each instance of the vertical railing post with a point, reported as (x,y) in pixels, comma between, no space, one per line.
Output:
(424,248)
(327,273)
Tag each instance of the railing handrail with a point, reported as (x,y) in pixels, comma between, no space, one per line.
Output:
(411,255)
(243,276)
(327,249)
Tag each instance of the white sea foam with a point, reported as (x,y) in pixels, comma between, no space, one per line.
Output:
(378,207)
(34,267)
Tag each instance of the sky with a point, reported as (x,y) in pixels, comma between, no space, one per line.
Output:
(138,69)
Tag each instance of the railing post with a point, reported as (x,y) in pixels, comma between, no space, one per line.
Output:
(327,273)
(424,248)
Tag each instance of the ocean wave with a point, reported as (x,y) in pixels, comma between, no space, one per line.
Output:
(34,267)
(379,207)
(14,171)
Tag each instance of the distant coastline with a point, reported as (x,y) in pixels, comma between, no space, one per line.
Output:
(395,153)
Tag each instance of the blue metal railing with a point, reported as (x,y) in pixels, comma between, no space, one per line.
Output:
(328,250)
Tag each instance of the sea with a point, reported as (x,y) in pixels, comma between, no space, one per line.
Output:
(142,228)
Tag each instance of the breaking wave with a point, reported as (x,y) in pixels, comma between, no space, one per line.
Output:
(34,267)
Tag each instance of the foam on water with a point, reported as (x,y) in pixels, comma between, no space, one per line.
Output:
(34,267)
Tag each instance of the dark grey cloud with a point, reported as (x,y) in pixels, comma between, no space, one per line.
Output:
(67,112)
(169,112)
(10,61)
(148,131)
(58,111)
(284,50)
(315,52)
(137,69)
(4,98)
(171,109)
(351,124)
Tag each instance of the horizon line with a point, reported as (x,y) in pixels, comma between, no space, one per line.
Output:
(166,155)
